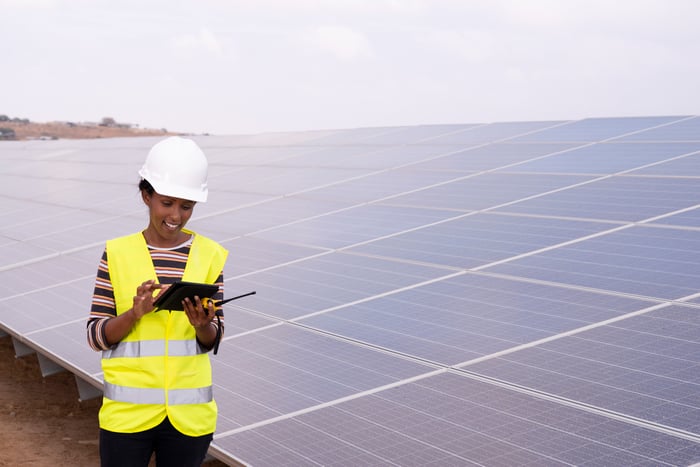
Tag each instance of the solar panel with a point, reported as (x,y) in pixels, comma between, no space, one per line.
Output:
(424,423)
(492,156)
(643,367)
(470,316)
(477,239)
(639,260)
(477,193)
(615,198)
(513,293)
(686,129)
(607,158)
(417,134)
(679,167)
(601,129)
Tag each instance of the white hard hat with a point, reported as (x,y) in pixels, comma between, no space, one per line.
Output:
(177,167)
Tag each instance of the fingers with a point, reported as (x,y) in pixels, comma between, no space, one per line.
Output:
(195,306)
(143,300)
(197,312)
(162,288)
(147,288)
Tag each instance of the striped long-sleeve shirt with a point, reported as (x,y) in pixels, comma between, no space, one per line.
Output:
(169,266)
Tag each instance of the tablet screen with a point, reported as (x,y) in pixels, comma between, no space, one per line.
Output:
(172,298)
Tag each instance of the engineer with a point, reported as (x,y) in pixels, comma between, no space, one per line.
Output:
(157,374)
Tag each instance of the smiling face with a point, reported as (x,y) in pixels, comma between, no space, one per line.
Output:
(168,216)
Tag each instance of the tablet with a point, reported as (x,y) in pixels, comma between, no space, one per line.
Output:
(172,298)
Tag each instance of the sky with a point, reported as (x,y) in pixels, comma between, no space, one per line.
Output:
(256,66)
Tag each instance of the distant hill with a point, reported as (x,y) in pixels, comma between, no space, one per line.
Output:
(23,129)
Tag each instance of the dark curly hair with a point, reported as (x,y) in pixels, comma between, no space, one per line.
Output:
(144,185)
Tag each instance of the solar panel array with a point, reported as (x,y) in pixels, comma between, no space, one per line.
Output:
(523,293)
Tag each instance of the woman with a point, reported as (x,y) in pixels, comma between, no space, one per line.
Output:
(157,374)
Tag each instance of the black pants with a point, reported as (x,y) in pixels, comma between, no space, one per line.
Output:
(172,448)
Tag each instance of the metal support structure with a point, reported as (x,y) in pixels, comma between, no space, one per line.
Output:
(48,367)
(21,350)
(86,391)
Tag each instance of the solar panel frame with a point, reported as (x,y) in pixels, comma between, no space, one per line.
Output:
(410,280)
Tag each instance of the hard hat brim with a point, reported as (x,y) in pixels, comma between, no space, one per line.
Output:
(167,189)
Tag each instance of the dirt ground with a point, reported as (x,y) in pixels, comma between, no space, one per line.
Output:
(43,423)
(62,130)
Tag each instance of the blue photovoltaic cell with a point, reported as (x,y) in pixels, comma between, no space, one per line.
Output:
(606,158)
(224,203)
(645,261)
(357,157)
(328,281)
(66,301)
(380,185)
(416,134)
(355,225)
(112,170)
(596,129)
(284,369)
(227,157)
(29,221)
(370,158)
(685,129)
(355,136)
(645,366)
(240,320)
(452,420)
(18,252)
(491,132)
(465,317)
(17,212)
(53,195)
(397,157)
(250,254)
(476,240)
(688,166)
(263,214)
(476,192)
(616,199)
(55,271)
(690,218)
(492,156)
(272,181)
(89,234)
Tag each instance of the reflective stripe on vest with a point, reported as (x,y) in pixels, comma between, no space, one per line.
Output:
(190,396)
(157,396)
(154,348)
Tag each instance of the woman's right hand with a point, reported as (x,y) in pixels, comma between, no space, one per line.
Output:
(119,326)
(144,298)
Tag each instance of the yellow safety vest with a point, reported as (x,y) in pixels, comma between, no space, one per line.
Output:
(158,369)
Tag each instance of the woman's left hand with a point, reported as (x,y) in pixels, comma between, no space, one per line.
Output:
(199,314)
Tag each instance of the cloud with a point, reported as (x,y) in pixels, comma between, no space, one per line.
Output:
(203,41)
(470,46)
(243,65)
(304,7)
(342,42)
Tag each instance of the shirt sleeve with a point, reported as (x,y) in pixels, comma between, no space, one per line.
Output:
(103,307)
